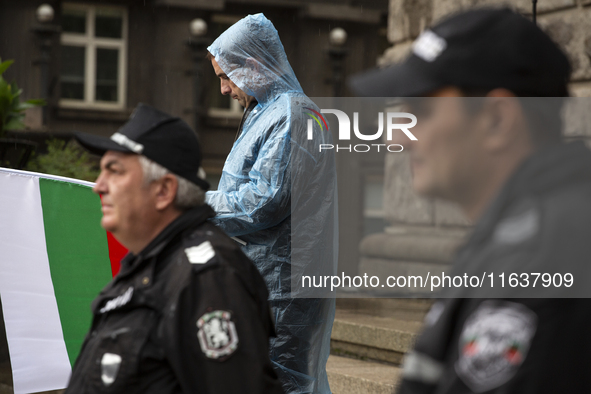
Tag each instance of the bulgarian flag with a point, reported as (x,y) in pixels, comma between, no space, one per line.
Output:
(54,260)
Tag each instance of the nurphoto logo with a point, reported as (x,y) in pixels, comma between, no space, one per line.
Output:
(392,120)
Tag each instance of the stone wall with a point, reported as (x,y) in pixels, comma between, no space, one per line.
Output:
(568,22)
(433,228)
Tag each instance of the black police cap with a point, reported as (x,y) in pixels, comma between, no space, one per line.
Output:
(479,49)
(162,138)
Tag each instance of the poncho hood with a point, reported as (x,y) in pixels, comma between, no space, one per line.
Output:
(251,54)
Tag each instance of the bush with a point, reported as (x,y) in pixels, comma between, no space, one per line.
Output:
(12,111)
(65,159)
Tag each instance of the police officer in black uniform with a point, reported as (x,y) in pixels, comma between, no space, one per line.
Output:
(188,311)
(485,143)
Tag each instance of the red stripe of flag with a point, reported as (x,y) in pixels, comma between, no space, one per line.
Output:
(116,253)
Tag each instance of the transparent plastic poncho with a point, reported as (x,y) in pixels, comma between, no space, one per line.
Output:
(277,194)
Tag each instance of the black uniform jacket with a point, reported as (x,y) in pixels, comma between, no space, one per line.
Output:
(539,223)
(189,314)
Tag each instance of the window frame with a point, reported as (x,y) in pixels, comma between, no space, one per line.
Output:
(91,43)
(235,111)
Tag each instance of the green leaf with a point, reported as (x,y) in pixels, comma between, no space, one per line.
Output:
(4,88)
(16,92)
(23,106)
(5,65)
(35,102)
(11,109)
(5,104)
(14,124)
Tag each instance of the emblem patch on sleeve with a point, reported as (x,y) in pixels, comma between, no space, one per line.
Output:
(217,334)
(494,343)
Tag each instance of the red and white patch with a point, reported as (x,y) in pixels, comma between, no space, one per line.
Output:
(494,343)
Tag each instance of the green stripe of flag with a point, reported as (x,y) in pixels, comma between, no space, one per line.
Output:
(78,254)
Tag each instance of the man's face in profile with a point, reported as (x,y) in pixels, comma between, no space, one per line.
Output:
(127,203)
(227,87)
(445,156)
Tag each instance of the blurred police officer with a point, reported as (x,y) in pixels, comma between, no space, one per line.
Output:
(500,157)
(188,311)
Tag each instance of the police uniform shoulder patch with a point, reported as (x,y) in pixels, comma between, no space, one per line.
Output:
(200,254)
(217,335)
(494,343)
(519,228)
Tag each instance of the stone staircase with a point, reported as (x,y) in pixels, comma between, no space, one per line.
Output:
(369,338)
(371,335)
(348,375)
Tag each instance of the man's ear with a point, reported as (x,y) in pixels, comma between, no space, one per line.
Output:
(253,64)
(504,121)
(166,190)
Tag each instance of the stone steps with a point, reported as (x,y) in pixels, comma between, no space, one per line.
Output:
(369,339)
(350,376)
(410,308)
(377,338)
(377,329)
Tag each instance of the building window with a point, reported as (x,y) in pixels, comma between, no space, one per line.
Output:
(94,57)
(220,105)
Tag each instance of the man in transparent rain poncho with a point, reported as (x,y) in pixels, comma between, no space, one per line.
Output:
(277,195)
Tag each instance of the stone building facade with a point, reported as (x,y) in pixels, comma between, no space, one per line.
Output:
(422,233)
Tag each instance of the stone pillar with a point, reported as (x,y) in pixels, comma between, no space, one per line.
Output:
(423,233)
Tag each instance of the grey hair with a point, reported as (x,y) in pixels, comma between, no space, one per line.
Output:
(188,194)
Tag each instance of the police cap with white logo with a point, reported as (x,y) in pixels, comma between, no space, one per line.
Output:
(162,138)
(478,49)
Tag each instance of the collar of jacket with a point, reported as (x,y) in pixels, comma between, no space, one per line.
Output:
(547,169)
(190,219)
(245,115)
